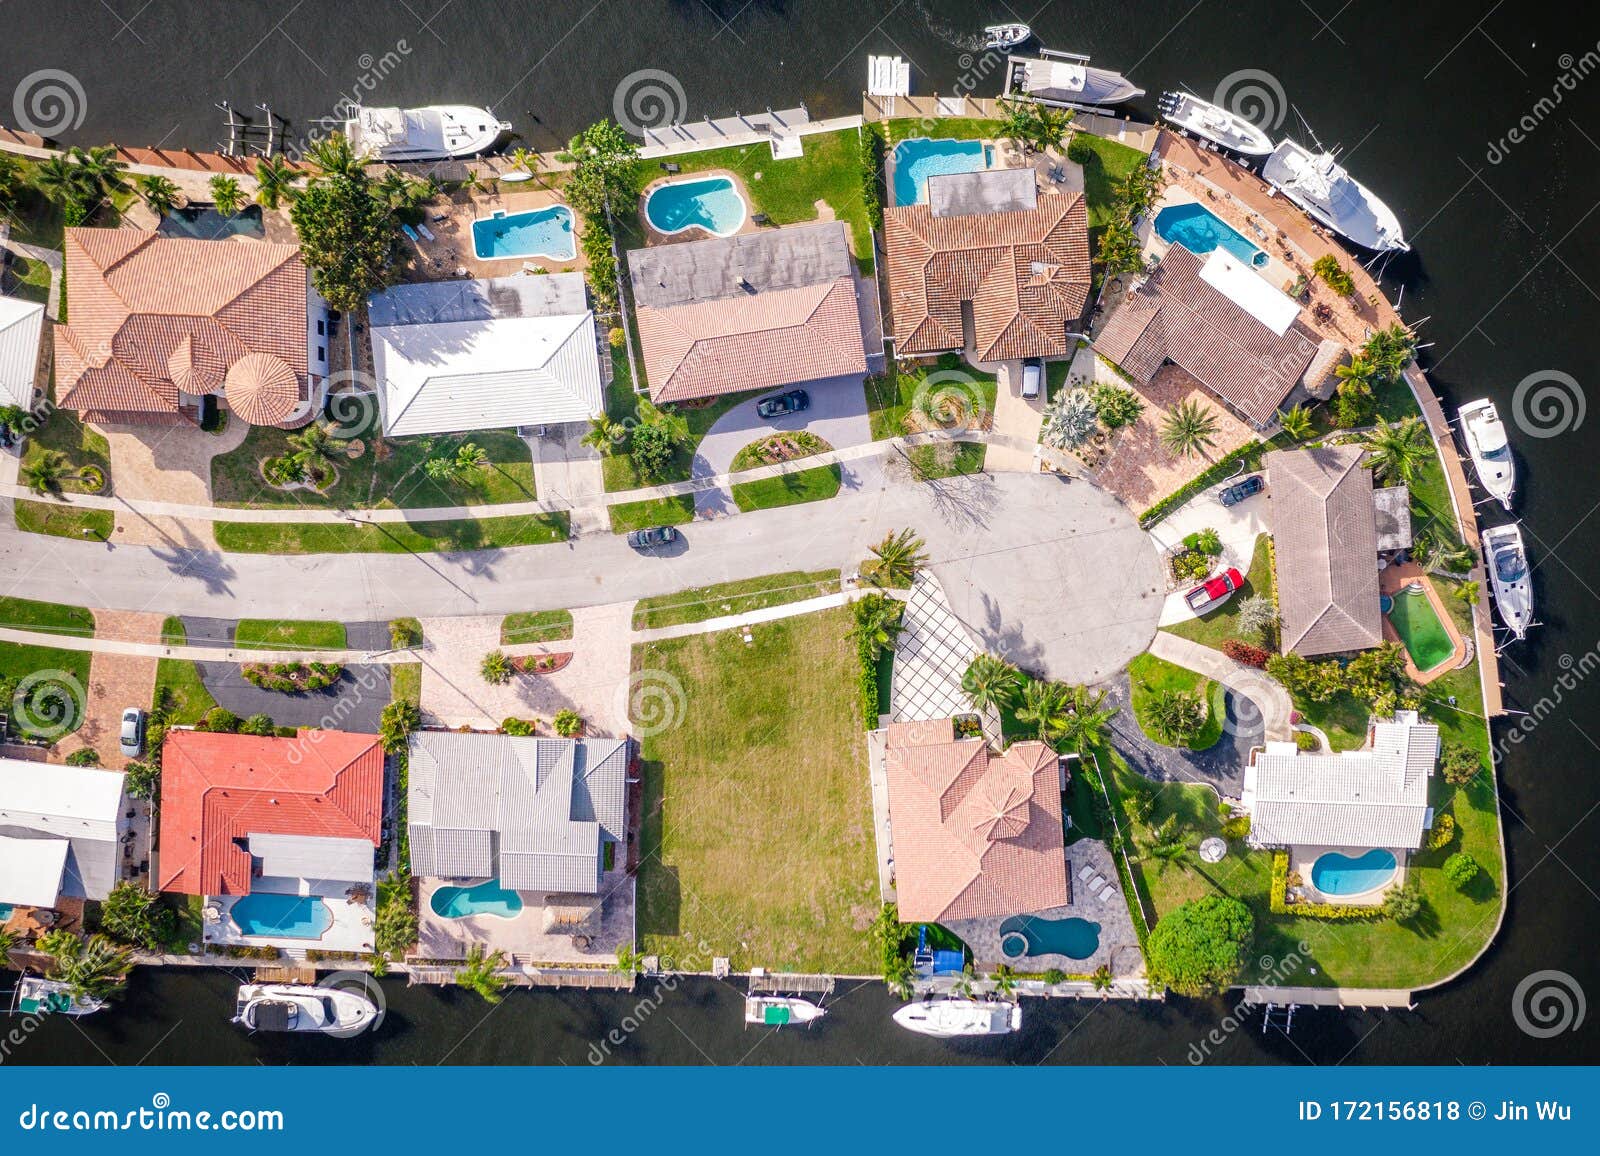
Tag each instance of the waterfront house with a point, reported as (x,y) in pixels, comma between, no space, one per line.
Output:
(1322,515)
(278,835)
(987,265)
(158,324)
(496,353)
(1222,324)
(61,834)
(21,323)
(752,311)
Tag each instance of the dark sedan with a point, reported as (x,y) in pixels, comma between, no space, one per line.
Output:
(1240,490)
(651,537)
(795,401)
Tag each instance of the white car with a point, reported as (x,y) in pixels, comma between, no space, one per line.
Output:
(131,739)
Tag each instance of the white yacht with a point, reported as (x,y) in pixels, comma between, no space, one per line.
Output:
(948,1018)
(1214,123)
(1004,36)
(1485,435)
(437,132)
(777,1011)
(1320,185)
(1509,576)
(35,995)
(295,1007)
(1057,78)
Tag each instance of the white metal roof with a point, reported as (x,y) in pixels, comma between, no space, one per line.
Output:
(31,870)
(313,857)
(1250,291)
(20,325)
(79,804)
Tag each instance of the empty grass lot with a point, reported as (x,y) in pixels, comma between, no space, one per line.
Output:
(725,598)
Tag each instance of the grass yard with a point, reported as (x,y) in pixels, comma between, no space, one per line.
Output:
(1222,624)
(1152,676)
(891,397)
(946,460)
(47,617)
(63,521)
(673,511)
(702,602)
(1106,166)
(82,446)
(68,669)
(405,682)
(813,485)
(757,832)
(180,679)
(391,537)
(945,128)
(536,626)
(278,634)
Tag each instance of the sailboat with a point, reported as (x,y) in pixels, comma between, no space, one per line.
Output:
(1485,435)
(1320,185)
(1214,123)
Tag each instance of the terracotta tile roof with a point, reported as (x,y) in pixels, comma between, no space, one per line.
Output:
(1325,542)
(263,389)
(1025,272)
(218,789)
(1177,317)
(758,341)
(975,834)
(154,315)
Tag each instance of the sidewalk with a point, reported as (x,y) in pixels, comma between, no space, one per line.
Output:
(1269,697)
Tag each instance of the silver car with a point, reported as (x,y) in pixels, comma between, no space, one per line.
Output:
(131,740)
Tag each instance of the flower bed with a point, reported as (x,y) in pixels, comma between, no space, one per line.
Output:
(541,663)
(779,447)
(292,677)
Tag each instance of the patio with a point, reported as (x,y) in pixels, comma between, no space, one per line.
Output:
(351,929)
(451,251)
(533,936)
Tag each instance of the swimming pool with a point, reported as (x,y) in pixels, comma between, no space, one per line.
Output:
(710,203)
(1073,938)
(1336,874)
(487,898)
(1199,230)
(921,157)
(1414,619)
(281,916)
(535,233)
(5,911)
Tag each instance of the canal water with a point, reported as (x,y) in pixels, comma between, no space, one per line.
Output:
(1436,106)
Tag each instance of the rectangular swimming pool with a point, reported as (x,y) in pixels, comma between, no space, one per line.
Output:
(281,916)
(918,158)
(535,233)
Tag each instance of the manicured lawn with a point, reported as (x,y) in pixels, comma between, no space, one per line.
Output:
(1222,624)
(1078,803)
(946,460)
(391,537)
(536,626)
(63,521)
(405,682)
(66,668)
(757,831)
(277,634)
(180,679)
(622,405)
(48,617)
(890,397)
(673,511)
(1107,167)
(812,485)
(389,473)
(945,128)
(1151,676)
(82,446)
(702,602)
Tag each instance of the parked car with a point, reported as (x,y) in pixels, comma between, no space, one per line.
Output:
(651,537)
(131,738)
(1032,377)
(1213,592)
(1242,489)
(795,401)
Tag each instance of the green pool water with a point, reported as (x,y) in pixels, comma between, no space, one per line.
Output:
(1418,626)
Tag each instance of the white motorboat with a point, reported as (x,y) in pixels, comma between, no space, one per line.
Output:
(1004,36)
(1214,123)
(36,996)
(1320,185)
(1509,577)
(1068,82)
(1485,435)
(778,1011)
(948,1018)
(436,132)
(296,1007)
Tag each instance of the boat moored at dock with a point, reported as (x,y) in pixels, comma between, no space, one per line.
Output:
(1509,577)
(1485,435)
(775,1011)
(435,132)
(294,1007)
(949,1018)
(1323,188)
(1066,80)
(34,995)
(1213,123)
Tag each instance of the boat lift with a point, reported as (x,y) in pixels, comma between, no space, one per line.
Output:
(1268,1016)
(245,137)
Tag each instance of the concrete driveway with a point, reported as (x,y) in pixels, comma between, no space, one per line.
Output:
(1237,526)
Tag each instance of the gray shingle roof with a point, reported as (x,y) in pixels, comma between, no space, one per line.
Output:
(789,258)
(532,812)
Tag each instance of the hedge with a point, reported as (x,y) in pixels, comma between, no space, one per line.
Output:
(867,680)
(1249,454)
(1278,903)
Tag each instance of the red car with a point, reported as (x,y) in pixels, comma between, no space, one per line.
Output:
(1213,592)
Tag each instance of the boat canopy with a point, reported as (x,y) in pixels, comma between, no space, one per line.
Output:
(775,1014)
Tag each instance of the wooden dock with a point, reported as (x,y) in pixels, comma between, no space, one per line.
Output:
(286,973)
(1341,997)
(780,982)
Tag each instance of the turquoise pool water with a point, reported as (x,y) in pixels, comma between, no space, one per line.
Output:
(282,916)
(1073,938)
(536,233)
(5,911)
(1199,230)
(487,898)
(711,203)
(919,158)
(1336,874)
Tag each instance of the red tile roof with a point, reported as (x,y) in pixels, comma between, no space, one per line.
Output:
(1025,272)
(759,341)
(975,834)
(219,788)
(152,315)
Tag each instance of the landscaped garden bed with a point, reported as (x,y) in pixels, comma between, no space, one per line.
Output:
(542,663)
(777,448)
(291,677)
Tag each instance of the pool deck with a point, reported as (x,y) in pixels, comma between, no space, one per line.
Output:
(1301,859)
(1391,580)
(444,258)
(351,929)
(654,236)
(523,937)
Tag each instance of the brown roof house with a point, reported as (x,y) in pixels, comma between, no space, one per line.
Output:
(159,322)
(975,834)
(1220,322)
(1321,515)
(987,265)
(752,311)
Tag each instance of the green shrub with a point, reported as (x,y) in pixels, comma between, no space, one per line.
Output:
(1306,741)
(404,633)
(1190,565)
(872,170)
(1334,274)
(568,723)
(1460,764)
(219,719)
(84,757)
(1117,406)
(1206,541)
(496,668)
(1236,827)
(1442,833)
(520,727)
(1461,869)
(396,723)
(1199,947)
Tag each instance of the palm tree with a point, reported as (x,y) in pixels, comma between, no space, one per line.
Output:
(333,157)
(1089,717)
(8,941)
(1189,428)
(1047,705)
(314,450)
(1101,978)
(1169,846)
(101,170)
(1389,350)
(630,960)
(61,182)
(877,623)
(159,193)
(1004,979)
(275,181)
(92,968)
(605,435)
(991,681)
(226,195)
(1297,423)
(896,560)
(1357,376)
(45,473)
(1399,449)
(480,973)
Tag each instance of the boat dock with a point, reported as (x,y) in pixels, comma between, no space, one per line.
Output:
(1340,997)
(781,982)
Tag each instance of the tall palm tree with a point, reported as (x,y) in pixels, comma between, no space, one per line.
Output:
(896,560)
(101,169)
(226,195)
(45,473)
(1169,846)
(92,968)
(877,622)
(1047,705)
(61,181)
(159,193)
(1389,349)
(275,181)
(333,157)
(1297,423)
(479,973)
(1358,375)
(991,681)
(1398,449)
(1087,722)
(1189,428)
